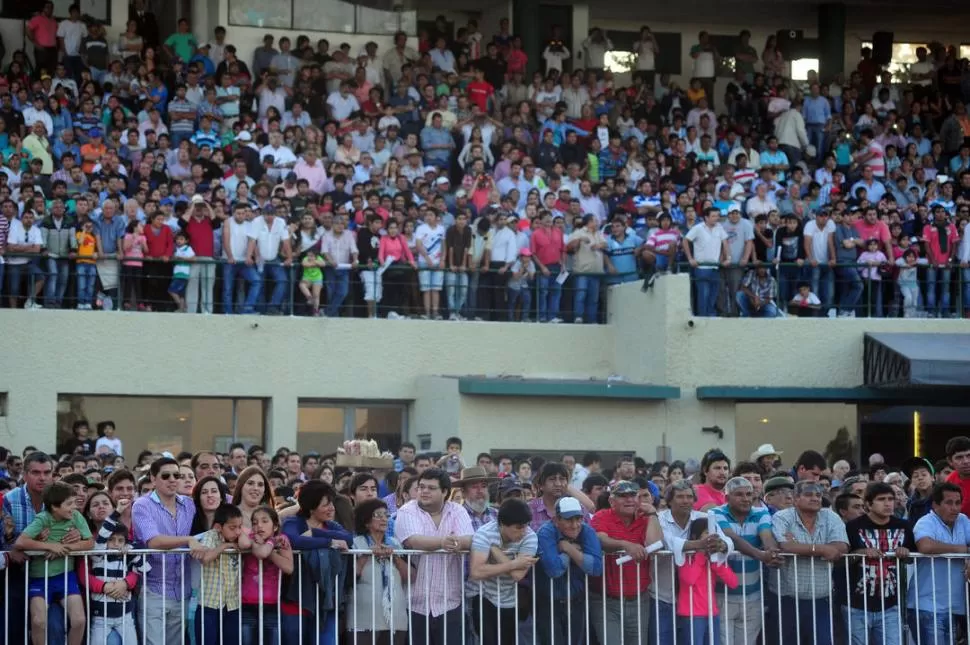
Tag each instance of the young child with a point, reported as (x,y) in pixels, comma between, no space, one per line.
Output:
(180,272)
(53,579)
(111,580)
(86,254)
(872,259)
(311,283)
(217,616)
(270,559)
(805,304)
(523,273)
(697,616)
(134,245)
(451,461)
(908,282)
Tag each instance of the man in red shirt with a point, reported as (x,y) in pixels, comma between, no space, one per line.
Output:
(480,91)
(42,32)
(715,471)
(629,525)
(958,456)
(199,222)
(549,251)
(871,227)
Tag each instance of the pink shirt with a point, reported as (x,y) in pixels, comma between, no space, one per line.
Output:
(136,250)
(879,230)
(706,495)
(396,247)
(440,583)
(316,175)
(932,236)
(547,245)
(694,593)
(251,591)
(44,30)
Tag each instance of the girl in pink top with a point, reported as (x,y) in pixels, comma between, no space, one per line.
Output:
(270,559)
(134,246)
(697,622)
(395,282)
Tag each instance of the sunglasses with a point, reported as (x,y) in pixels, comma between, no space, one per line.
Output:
(167,476)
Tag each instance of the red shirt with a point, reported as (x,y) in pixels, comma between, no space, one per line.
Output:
(635,578)
(547,245)
(707,495)
(161,243)
(964,484)
(479,92)
(201,238)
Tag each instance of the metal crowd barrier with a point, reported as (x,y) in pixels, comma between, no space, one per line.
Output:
(215,285)
(925,601)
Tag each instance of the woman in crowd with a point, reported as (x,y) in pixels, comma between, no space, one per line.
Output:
(271,558)
(312,529)
(97,508)
(378,609)
(252,491)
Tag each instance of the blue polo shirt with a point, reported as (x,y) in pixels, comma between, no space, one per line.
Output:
(947,594)
(624,258)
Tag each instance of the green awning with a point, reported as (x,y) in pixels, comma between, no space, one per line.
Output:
(564,388)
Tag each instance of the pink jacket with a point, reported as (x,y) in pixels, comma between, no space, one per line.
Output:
(695,595)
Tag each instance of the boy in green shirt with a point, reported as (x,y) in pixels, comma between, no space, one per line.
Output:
(53,579)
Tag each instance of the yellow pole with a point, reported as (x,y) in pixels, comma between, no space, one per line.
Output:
(916,432)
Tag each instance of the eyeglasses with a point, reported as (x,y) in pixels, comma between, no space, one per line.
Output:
(380,515)
(167,476)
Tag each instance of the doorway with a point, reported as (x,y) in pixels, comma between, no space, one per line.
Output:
(888,430)
(561,16)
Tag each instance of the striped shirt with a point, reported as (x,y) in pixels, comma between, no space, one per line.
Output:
(151,519)
(661,239)
(438,588)
(177,123)
(805,577)
(110,567)
(749,529)
(17,505)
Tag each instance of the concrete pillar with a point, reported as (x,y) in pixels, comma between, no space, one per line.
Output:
(831,40)
(580,31)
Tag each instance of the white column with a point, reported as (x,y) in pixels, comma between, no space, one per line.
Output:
(580,31)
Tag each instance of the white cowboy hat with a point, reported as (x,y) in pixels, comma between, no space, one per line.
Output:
(764,450)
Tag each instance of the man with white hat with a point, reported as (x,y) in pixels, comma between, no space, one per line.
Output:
(765,457)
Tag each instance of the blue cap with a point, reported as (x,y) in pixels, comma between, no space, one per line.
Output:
(625,488)
(94,132)
(168,201)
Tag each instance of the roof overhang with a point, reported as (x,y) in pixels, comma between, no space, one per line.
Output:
(894,360)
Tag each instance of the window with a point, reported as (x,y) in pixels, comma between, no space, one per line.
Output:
(904,55)
(620,62)
(320,15)
(801,67)
(167,423)
(323,425)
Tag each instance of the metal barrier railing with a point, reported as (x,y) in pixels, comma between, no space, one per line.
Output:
(396,596)
(394,290)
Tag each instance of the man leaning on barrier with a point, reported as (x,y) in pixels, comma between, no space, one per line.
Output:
(628,525)
(802,587)
(569,551)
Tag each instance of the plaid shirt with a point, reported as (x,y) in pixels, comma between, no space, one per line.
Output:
(219,584)
(17,505)
(764,289)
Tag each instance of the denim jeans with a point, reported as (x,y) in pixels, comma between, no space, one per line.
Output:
(823,285)
(966,289)
(216,625)
(932,627)
(456,289)
(250,626)
(700,630)
(230,272)
(58,271)
(850,288)
(523,295)
(560,622)
(662,626)
(294,625)
(768,309)
(936,275)
(255,278)
(865,627)
(338,286)
(550,292)
(587,300)
(708,283)
(87,276)
(873,304)
(802,629)
(816,137)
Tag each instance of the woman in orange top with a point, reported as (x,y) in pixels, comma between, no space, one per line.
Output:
(92,151)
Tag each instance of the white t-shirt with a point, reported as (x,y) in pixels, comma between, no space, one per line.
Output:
(917,68)
(433,241)
(22,237)
(110,444)
(268,237)
(341,107)
(707,242)
(72,33)
(646,59)
(238,238)
(704,65)
(820,237)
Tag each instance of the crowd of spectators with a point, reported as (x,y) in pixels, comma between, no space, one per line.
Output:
(179,174)
(512,548)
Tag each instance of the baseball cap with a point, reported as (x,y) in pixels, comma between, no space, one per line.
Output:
(440,180)
(776,483)
(244,136)
(461,192)
(428,169)
(734,207)
(94,132)
(290,176)
(568,507)
(526,252)
(625,488)
(510,485)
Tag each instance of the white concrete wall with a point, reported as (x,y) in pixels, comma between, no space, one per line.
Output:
(280,359)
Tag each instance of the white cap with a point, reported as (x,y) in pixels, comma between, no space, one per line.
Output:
(244,136)
(442,180)
(568,507)
(734,206)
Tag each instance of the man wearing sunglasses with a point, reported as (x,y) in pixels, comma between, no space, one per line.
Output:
(815,536)
(163,520)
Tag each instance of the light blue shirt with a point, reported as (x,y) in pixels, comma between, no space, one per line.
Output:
(436,137)
(443,60)
(816,110)
(946,595)
(924,146)
(776,158)
(874,193)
